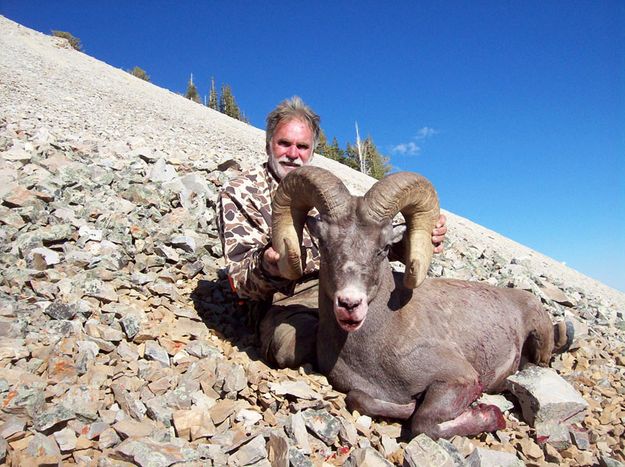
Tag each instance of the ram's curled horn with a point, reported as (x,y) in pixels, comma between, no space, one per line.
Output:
(298,192)
(414,196)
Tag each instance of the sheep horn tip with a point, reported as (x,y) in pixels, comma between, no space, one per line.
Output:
(291,267)
(414,276)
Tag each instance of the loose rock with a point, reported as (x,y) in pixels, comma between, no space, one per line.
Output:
(546,397)
(488,458)
(422,451)
(121,342)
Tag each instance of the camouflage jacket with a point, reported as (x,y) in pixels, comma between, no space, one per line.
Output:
(244,224)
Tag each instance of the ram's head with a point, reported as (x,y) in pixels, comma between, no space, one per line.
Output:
(355,233)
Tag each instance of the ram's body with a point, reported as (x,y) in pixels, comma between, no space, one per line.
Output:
(444,326)
(424,354)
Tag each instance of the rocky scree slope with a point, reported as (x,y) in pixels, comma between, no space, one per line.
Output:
(120,343)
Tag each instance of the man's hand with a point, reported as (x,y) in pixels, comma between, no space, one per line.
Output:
(438,234)
(270,262)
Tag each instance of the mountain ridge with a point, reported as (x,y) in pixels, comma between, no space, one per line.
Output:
(225,138)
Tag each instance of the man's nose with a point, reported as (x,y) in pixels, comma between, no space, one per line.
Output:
(292,152)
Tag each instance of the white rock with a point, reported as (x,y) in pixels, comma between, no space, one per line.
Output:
(300,434)
(295,388)
(66,439)
(90,233)
(161,171)
(363,423)
(497,400)
(44,257)
(248,417)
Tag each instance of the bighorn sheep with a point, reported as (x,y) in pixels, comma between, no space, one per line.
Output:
(427,354)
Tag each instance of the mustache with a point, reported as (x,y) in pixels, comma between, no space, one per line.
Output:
(294,162)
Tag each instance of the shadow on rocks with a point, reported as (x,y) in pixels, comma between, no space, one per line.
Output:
(224,313)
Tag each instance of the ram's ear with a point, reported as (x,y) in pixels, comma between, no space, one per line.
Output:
(398,233)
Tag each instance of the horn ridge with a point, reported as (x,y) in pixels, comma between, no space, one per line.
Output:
(298,192)
(414,196)
(404,192)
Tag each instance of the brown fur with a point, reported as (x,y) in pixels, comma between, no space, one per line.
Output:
(424,354)
(435,348)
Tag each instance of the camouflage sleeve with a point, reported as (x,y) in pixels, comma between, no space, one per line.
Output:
(244,233)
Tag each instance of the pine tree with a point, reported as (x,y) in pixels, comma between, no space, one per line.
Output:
(322,143)
(350,157)
(213,99)
(377,164)
(227,104)
(331,151)
(192,93)
(139,73)
(335,152)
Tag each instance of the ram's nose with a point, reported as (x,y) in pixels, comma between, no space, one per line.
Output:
(350,309)
(349,303)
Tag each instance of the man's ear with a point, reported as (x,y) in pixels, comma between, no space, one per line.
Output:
(398,233)
(316,226)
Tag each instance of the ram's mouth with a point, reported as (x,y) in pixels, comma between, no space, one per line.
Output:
(350,325)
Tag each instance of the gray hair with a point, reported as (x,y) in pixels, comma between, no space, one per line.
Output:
(289,109)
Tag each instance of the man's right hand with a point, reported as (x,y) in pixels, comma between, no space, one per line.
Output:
(270,262)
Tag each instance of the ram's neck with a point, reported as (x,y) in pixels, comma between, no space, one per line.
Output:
(333,342)
(330,337)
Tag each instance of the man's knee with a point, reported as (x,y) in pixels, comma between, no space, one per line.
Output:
(288,336)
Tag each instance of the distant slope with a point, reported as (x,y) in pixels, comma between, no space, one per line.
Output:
(88,100)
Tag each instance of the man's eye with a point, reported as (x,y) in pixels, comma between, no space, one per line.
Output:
(302,146)
(284,143)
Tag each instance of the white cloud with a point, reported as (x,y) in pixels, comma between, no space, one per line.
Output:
(411,148)
(407,149)
(425,132)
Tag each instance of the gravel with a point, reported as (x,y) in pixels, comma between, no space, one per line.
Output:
(120,341)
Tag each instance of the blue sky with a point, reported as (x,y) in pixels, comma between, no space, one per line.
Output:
(514,109)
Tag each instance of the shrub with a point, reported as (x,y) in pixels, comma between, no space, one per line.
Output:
(73,41)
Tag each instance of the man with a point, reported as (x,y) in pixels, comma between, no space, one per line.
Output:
(288,308)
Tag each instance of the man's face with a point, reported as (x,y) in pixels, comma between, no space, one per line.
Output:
(290,147)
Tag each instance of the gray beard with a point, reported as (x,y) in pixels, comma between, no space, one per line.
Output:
(274,166)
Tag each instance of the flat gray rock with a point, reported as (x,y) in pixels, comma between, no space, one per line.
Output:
(249,453)
(422,451)
(546,397)
(322,424)
(366,457)
(481,457)
(155,352)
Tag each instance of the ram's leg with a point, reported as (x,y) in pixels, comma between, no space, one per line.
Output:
(445,411)
(563,335)
(367,405)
